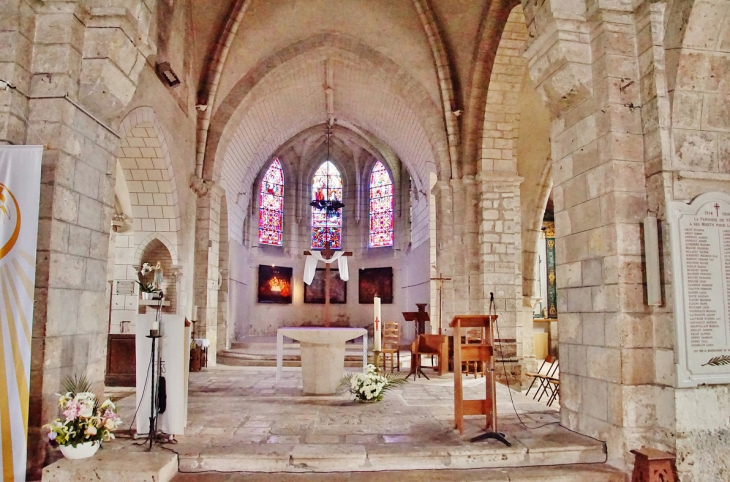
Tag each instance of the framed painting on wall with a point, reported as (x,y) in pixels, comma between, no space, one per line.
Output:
(275,284)
(314,293)
(376,281)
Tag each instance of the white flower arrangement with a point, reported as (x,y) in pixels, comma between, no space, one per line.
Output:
(85,419)
(371,386)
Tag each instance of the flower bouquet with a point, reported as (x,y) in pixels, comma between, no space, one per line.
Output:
(371,386)
(87,423)
(149,289)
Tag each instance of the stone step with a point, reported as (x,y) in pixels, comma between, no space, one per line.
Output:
(237,457)
(562,473)
(291,359)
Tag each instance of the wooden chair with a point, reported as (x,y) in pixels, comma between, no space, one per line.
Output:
(390,348)
(429,345)
(545,372)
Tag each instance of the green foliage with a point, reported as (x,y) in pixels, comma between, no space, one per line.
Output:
(146,287)
(718,361)
(76,384)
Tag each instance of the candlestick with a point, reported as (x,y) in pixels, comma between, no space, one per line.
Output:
(378,322)
(155,325)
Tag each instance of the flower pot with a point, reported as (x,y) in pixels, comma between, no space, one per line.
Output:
(81,451)
(147,296)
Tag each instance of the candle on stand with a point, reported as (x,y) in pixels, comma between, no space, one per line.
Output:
(155,325)
(378,323)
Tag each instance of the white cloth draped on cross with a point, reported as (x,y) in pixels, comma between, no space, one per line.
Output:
(310,265)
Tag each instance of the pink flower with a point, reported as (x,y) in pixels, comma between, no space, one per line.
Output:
(72,410)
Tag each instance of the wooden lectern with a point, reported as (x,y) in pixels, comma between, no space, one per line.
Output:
(481,353)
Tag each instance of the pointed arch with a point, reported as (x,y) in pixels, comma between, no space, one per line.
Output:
(326,225)
(271,206)
(381,207)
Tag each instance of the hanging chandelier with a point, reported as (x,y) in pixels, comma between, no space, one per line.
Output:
(328,205)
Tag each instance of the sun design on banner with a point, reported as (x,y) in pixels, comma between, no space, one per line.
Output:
(16,288)
(9,220)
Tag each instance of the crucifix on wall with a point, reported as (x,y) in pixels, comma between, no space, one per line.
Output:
(328,256)
(440,280)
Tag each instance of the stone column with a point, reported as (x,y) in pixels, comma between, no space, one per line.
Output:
(77,196)
(17,30)
(501,272)
(588,72)
(206,256)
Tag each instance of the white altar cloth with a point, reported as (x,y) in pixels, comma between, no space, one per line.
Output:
(323,355)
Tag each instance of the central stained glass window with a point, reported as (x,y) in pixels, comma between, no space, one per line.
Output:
(381,207)
(326,226)
(271,206)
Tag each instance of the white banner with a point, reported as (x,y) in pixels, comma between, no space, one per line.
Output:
(20,174)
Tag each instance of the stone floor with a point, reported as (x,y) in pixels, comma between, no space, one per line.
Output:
(239,421)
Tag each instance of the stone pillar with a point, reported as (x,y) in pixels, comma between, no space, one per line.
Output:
(77,196)
(588,72)
(206,256)
(500,244)
(224,333)
(17,30)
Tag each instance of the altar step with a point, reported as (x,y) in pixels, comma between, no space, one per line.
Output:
(561,473)
(260,351)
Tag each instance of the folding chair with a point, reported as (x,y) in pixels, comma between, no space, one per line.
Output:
(546,371)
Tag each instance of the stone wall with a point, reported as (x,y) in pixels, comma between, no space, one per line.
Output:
(621,150)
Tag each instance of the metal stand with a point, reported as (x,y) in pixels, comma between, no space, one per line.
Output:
(154,335)
(416,367)
(495,435)
(376,360)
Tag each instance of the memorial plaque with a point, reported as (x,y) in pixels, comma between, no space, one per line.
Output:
(700,241)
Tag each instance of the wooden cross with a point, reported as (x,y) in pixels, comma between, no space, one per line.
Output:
(441,280)
(327,253)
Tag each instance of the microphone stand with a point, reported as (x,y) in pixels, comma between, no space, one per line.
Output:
(491,379)
(154,335)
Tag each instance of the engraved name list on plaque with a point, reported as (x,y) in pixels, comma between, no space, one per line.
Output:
(700,243)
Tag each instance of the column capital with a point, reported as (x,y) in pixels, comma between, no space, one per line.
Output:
(202,187)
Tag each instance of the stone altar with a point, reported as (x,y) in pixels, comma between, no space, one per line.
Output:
(323,355)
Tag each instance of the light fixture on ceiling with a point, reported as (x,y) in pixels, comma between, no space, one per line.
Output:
(328,205)
(167,74)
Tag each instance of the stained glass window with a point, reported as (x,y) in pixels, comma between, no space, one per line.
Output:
(271,206)
(381,207)
(326,184)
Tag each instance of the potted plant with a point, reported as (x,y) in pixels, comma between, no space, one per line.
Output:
(147,289)
(87,422)
(150,289)
(371,386)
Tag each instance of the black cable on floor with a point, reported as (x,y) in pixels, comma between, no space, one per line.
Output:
(504,367)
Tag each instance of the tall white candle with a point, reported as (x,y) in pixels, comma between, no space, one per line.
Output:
(378,325)
(155,325)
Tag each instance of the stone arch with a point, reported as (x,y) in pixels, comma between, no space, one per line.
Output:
(446,84)
(149,239)
(397,81)
(228,33)
(501,112)
(149,173)
(492,27)
(154,251)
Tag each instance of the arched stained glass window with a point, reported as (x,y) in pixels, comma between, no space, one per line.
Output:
(326,226)
(381,207)
(271,206)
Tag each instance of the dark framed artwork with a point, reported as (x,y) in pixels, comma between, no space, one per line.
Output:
(314,293)
(275,284)
(376,281)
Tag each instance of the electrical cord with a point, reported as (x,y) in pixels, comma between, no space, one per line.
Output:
(504,367)
(144,389)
